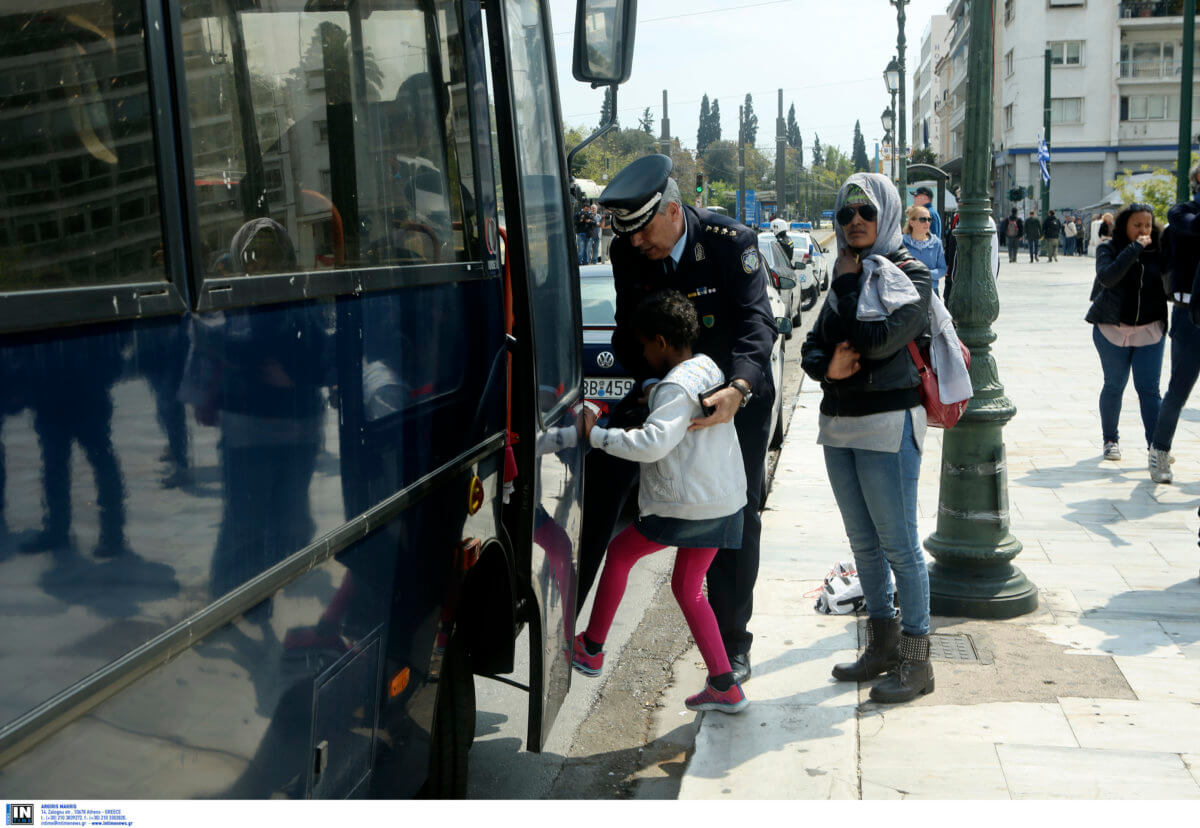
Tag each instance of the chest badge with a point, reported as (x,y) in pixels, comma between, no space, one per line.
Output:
(709,320)
(699,252)
(750,260)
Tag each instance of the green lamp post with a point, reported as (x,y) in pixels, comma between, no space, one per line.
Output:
(973,574)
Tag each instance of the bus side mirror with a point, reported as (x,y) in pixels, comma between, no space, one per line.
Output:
(604,31)
(786,283)
(784,325)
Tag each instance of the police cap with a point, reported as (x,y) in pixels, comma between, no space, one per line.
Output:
(634,194)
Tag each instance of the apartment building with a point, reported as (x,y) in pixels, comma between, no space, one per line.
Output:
(926,86)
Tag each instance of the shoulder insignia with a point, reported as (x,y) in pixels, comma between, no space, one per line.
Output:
(750,260)
(699,252)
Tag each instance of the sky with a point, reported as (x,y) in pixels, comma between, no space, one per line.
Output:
(828,56)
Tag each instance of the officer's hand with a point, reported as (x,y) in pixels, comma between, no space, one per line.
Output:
(847,262)
(726,402)
(844,363)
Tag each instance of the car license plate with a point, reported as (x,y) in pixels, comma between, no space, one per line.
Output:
(606,388)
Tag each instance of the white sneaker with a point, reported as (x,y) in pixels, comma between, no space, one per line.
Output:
(1112,450)
(1160,465)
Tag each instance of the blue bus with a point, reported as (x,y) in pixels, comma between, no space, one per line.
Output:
(288,431)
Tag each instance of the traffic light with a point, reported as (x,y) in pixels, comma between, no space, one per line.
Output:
(699,183)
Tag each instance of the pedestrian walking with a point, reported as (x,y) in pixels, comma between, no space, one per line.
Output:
(606,234)
(594,236)
(662,244)
(923,245)
(1104,231)
(1033,234)
(1182,256)
(1070,233)
(1014,230)
(923,197)
(1129,318)
(687,497)
(1051,230)
(872,427)
(583,231)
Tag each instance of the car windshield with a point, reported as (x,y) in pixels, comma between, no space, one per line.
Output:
(598,296)
(799,240)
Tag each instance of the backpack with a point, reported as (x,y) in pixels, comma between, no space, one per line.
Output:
(1012,230)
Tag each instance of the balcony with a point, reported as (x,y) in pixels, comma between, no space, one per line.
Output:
(1160,69)
(1133,9)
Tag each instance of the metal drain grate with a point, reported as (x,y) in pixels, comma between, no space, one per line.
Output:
(952,648)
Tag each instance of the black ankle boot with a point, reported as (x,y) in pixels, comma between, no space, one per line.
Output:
(882,652)
(912,677)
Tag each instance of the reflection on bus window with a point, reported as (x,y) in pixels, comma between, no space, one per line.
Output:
(332,122)
(78,193)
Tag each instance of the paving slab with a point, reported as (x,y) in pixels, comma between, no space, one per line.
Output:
(1158,726)
(1102,636)
(1162,679)
(1041,772)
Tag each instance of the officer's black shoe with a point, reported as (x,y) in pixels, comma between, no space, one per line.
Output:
(740,665)
(45,541)
(111,548)
(881,654)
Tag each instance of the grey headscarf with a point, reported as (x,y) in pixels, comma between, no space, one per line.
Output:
(883,287)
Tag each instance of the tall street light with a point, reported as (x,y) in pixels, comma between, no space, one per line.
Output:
(891,79)
(973,575)
(903,149)
(887,119)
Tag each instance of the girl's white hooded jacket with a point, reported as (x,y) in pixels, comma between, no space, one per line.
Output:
(694,475)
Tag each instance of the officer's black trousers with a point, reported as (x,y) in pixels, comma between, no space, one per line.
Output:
(607,483)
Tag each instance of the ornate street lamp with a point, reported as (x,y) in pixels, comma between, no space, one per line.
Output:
(888,120)
(973,575)
(899,86)
(891,76)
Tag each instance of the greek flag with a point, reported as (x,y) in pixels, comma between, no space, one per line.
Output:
(1044,160)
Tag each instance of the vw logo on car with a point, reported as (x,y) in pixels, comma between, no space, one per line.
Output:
(605,359)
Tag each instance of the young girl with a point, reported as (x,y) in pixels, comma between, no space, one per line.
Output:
(693,488)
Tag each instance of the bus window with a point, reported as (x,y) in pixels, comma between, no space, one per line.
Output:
(78,191)
(338,124)
(555,318)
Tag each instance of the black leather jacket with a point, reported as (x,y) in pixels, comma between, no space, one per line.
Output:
(1129,287)
(887,379)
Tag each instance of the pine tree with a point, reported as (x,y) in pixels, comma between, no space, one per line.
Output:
(646,122)
(793,129)
(702,134)
(714,123)
(858,155)
(818,158)
(750,120)
(606,108)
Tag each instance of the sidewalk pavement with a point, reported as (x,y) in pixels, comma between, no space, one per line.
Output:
(1095,695)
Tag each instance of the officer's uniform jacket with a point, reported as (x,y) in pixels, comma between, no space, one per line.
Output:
(723,275)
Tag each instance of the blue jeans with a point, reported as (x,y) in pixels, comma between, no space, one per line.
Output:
(1116,361)
(882,528)
(1185,368)
(1070,246)
(581,246)
(1034,246)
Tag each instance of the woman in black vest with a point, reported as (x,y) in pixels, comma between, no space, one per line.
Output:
(1129,315)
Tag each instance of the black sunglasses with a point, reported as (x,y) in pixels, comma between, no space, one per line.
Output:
(847,213)
(923,219)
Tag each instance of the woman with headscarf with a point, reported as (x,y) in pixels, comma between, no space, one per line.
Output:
(872,426)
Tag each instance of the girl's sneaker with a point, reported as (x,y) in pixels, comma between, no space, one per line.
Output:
(732,700)
(1112,450)
(583,661)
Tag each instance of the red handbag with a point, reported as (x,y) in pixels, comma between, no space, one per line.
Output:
(937,413)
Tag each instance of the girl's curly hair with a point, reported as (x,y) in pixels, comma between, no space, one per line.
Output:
(667,313)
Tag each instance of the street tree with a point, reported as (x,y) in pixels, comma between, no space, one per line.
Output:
(818,157)
(606,108)
(714,121)
(646,122)
(750,120)
(703,136)
(858,155)
(924,155)
(793,129)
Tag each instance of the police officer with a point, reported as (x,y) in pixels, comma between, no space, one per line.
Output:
(662,244)
(780,228)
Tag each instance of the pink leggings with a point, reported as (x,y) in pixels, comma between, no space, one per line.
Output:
(686,581)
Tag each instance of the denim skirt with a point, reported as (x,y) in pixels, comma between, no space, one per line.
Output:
(710,533)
